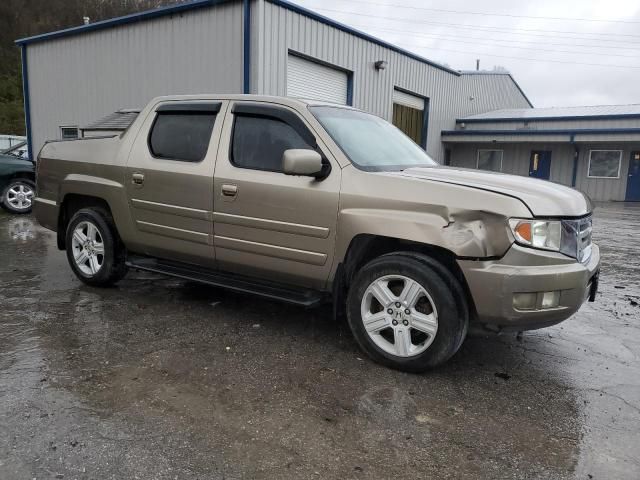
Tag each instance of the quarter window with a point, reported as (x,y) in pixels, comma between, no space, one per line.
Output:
(259,142)
(181,135)
(490,160)
(604,163)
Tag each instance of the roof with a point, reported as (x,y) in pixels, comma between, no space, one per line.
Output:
(195,4)
(594,112)
(120,120)
(497,73)
(112,22)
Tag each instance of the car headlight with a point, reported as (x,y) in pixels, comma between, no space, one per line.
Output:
(542,234)
(571,237)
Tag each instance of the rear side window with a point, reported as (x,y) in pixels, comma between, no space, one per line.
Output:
(181,135)
(259,142)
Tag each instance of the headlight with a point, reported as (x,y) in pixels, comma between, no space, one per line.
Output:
(543,234)
(571,237)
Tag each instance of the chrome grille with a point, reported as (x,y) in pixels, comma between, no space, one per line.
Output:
(585,226)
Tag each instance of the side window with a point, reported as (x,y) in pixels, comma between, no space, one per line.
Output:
(181,135)
(259,142)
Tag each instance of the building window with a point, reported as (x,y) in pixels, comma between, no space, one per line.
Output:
(182,136)
(490,160)
(260,142)
(68,133)
(604,163)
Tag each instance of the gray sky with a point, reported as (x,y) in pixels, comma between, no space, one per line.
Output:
(457,39)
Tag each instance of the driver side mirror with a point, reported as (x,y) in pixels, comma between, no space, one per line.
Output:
(304,162)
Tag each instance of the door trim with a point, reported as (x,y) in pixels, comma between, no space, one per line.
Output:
(266,249)
(273,225)
(171,209)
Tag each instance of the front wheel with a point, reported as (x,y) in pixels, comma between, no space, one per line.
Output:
(407,311)
(94,250)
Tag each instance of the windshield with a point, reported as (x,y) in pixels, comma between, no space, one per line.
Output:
(369,142)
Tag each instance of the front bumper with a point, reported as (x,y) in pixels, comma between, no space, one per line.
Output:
(525,270)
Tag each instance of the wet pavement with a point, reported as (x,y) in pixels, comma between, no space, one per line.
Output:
(161,378)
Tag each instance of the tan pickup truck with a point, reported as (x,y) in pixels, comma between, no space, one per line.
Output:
(308,202)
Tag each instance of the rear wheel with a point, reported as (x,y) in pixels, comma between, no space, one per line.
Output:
(94,250)
(407,311)
(18,196)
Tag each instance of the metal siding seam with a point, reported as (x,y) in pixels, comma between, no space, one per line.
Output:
(246,11)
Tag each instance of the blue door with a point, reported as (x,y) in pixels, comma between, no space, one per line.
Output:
(633,180)
(540,164)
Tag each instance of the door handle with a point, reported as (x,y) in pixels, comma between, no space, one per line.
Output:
(137,178)
(229,190)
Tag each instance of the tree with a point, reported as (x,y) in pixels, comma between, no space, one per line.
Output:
(24,18)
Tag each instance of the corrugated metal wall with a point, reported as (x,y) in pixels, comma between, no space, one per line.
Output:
(517,156)
(78,79)
(450,95)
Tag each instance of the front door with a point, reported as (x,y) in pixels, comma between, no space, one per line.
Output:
(540,164)
(633,180)
(268,224)
(169,181)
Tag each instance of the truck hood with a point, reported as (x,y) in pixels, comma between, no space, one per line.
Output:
(543,198)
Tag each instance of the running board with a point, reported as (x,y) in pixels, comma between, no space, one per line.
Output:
(302,297)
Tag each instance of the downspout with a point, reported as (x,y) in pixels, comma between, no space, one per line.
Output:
(576,156)
(246,87)
(27,102)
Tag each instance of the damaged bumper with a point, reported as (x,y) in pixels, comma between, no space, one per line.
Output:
(528,289)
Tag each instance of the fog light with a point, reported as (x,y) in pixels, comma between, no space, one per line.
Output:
(524,301)
(550,299)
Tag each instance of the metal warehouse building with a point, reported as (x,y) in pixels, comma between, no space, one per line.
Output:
(473,119)
(272,47)
(594,149)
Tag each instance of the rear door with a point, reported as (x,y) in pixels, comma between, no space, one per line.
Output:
(169,180)
(268,224)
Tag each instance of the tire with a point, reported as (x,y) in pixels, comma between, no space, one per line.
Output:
(427,328)
(94,249)
(17,197)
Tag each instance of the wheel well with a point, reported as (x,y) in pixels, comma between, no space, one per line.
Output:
(364,248)
(26,175)
(70,205)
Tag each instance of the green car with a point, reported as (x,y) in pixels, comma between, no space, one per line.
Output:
(17,183)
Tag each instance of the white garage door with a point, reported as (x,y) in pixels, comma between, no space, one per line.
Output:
(311,80)
(408,100)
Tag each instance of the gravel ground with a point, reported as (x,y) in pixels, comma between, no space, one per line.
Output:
(160,378)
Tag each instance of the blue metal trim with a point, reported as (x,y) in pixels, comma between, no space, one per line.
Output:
(350,89)
(425,125)
(576,154)
(112,22)
(358,33)
(619,116)
(27,102)
(597,131)
(246,9)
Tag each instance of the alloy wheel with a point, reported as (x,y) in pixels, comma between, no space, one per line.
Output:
(88,248)
(399,315)
(20,196)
